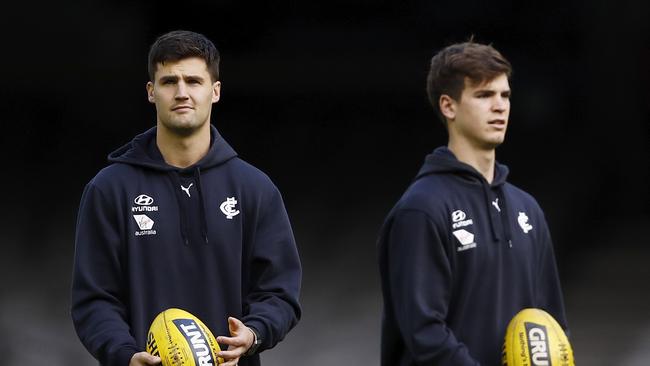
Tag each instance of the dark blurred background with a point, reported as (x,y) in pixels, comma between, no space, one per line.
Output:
(328,98)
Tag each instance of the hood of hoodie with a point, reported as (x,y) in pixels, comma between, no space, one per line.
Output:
(443,161)
(143,151)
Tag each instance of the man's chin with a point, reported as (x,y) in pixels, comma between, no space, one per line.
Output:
(495,141)
(183,129)
(492,144)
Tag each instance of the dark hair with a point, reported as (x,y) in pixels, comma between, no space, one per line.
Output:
(449,68)
(180,44)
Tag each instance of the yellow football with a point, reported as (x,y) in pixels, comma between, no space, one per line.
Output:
(181,339)
(534,338)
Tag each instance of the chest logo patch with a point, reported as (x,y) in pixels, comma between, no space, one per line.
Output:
(145,223)
(522,219)
(144,203)
(465,238)
(228,207)
(143,200)
(458,215)
(458,218)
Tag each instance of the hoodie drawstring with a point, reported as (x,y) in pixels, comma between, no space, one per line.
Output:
(204,220)
(506,215)
(182,206)
(179,199)
(501,208)
(443,161)
(491,211)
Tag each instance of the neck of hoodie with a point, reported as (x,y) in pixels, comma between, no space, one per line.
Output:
(480,159)
(183,151)
(443,161)
(143,151)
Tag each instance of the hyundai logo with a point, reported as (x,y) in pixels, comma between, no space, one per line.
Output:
(143,200)
(458,215)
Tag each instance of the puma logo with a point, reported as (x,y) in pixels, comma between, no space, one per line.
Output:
(495,203)
(187,190)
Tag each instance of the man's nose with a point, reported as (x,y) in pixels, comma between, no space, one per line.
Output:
(181,91)
(500,104)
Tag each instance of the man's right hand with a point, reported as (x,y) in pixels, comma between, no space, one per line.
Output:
(144,359)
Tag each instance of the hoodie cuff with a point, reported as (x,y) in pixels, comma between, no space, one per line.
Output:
(262,335)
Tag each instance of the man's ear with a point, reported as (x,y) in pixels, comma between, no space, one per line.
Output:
(150,92)
(447,106)
(216,91)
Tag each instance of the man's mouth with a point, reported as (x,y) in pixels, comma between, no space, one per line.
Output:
(497,122)
(182,108)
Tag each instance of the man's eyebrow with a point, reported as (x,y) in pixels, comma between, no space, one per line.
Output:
(492,91)
(175,78)
(169,78)
(485,91)
(193,77)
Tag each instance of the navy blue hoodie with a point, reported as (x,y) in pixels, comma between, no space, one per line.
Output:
(459,257)
(213,239)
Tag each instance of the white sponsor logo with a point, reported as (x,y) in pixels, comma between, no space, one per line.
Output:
(143,200)
(228,207)
(458,217)
(143,221)
(465,238)
(143,203)
(145,224)
(522,219)
(187,190)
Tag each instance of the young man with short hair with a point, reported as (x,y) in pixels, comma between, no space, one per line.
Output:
(463,250)
(178,220)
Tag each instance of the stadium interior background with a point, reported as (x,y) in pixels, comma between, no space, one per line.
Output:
(328,98)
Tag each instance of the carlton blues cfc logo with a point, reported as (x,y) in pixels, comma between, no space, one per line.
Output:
(227,207)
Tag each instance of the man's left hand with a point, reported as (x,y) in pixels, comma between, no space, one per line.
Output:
(240,340)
